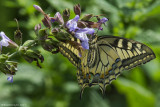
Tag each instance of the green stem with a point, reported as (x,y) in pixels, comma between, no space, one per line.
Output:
(12,55)
(17,52)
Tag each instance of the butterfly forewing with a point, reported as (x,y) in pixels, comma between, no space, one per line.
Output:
(131,53)
(71,53)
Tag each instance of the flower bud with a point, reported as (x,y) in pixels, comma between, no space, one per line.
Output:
(66,15)
(7,67)
(87,17)
(42,35)
(59,18)
(93,24)
(29,44)
(38,8)
(12,67)
(37,28)
(3,58)
(18,37)
(77,9)
(46,21)
(81,24)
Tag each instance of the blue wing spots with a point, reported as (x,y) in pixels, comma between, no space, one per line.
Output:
(111,72)
(87,75)
(97,75)
(95,79)
(117,60)
(114,66)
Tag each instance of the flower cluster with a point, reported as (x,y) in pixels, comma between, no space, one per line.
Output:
(78,28)
(80,33)
(7,67)
(57,29)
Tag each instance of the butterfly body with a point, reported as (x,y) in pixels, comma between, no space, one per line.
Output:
(106,58)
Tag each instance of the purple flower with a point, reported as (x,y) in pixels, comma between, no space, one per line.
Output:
(87,30)
(103,20)
(85,44)
(53,19)
(83,37)
(4,40)
(81,34)
(10,78)
(72,24)
(57,17)
(100,28)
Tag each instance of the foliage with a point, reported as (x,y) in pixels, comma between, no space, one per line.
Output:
(56,85)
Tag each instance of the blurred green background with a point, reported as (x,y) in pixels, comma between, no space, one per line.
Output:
(55,85)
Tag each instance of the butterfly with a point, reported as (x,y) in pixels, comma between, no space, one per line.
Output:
(105,59)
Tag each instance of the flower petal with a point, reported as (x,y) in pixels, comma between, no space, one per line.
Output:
(90,31)
(4,41)
(2,34)
(59,18)
(10,78)
(85,44)
(76,18)
(86,30)
(82,36)
(103,20)
(72,24)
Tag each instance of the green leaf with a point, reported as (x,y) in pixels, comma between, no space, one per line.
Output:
(136,95)
(60,5)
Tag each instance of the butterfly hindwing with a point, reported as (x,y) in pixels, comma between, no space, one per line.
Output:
(72,53)
(107,57)
(100,65)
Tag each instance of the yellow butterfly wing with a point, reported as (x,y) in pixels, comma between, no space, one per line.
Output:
(107,57)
